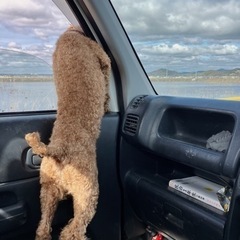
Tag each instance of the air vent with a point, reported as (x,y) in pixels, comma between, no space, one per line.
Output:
(131,124)
(137,101)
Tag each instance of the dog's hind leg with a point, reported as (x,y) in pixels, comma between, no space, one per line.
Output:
(50,195)
(49,201)
(85,202)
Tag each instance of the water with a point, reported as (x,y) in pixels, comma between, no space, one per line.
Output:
(198,90)
(36,96)
(27,96)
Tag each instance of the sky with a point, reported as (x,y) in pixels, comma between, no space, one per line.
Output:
(180,35)
(29,27)
(183,35)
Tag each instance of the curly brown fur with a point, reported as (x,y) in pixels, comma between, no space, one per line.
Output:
(81,74)
(33,140)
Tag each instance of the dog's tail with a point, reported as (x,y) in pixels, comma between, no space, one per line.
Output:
(38,147)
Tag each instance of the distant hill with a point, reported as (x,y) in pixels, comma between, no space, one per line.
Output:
(210,73)
(164,73)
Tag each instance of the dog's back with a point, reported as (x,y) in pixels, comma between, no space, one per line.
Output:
(81,72)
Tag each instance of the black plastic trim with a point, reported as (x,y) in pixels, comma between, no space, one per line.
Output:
(158,116)
(75,4)
(175,214)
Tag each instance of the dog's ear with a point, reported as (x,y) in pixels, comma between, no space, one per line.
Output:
(104,60)
(105,64)
(75,29)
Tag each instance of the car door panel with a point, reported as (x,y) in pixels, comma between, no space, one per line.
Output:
(149,142)
(165,138)
(13,145)
(106,224)
(19,182)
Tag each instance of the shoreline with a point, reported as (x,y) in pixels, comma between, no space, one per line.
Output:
(24,78)
(192,79)
(188,79)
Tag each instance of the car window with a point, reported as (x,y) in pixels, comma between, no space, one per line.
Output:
(29,30)
(188,48)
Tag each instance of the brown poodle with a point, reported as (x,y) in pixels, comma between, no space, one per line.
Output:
(81,74)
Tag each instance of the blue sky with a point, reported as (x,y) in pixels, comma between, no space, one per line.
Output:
(192,35)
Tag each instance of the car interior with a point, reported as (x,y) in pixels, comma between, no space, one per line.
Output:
(146,140)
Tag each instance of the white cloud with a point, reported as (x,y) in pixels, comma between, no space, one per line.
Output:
(14,45)
(40,33)
(178,49)
(167,49)
(226,49)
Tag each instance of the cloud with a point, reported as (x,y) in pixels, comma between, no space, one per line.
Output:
(178,49)
(14,46)
(167,49)
(31,26)
(183,57)
(173,18)
(179,34)
(32,17)
(199,34)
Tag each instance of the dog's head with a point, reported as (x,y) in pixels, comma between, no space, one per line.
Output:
(75,29)
(78,61)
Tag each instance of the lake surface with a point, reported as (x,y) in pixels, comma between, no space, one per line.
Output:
(32,96)
(27,96)
(198,90)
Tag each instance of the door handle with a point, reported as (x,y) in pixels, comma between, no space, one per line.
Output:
(33,161)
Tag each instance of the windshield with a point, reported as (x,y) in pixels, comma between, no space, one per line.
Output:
(188,48)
